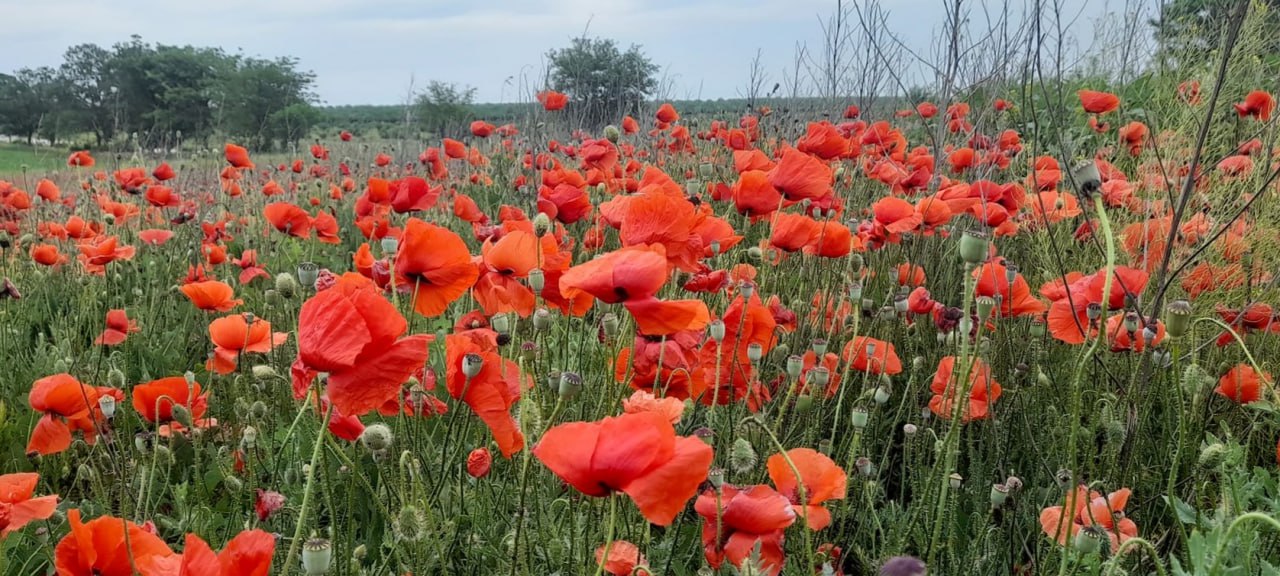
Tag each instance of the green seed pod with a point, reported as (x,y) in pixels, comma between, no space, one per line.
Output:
(974,247)
(1177,318)
(859,418)
(999,495)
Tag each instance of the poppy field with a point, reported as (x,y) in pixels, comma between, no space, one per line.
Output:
(1020,332)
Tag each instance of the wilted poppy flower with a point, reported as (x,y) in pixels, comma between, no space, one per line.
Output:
(478,462)
(552,100)
(211,295)
(1090,510)
(119,327)
(434,266)
(737,521)
(982,389)
(18,507)
(638,454)
(249,553)
(1242,384)
(235,334)
(1095,102)
(237,156)
(352,332)
(820,476)
(106,546)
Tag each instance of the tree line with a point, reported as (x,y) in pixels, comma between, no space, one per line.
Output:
(158,96)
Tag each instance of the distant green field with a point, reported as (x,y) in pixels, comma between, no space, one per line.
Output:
(37,160)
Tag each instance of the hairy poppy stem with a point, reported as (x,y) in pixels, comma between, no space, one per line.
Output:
(1112,565)
(608,541)
(301,527)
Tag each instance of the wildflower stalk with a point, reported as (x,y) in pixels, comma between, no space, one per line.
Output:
(300,529)
(1245,518)
(1114,563)
(608,539)
(1077,391)
(802,491)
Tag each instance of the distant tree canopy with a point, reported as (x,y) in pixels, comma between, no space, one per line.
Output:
(603,83)
(445,109)
(1189,29)
(156,95)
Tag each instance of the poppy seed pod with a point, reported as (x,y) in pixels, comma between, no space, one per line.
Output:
(955,479)
(1177,318)
(390,245)
(859,418)
(570,385)
(1088,179)
(986,305)
(999,495)
(715,477)
(1093,311)
(819,346)
(715,247)
(910,429)
(501,323)
(794,365)
(317,556)
(706,170)
(106,403)
(746,289)
(542,319)
(974,247)
(308,273)
(1063,477)
(471,365)
(855,291)
(1089,539)
(881,395)
(755,352)
(537,279)
(716,330)
(755,253)
(820,376)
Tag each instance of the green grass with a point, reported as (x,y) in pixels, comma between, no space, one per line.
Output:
(13,157)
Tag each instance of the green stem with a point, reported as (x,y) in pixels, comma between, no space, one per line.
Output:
(301,527)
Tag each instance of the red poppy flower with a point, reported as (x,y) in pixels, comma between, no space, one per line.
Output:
(824,141)
(799,176)
(1242,384)
(67,406)
(1014,296)
(249,268)
(481,129)
(479,461)
(47,190)
(1090,509)
(119,327)
(1095,102)
(624,558)
(17,506)
(434,266)
(564,202)
(670,367)
(288,218)
(81,159)
(155,236)
(821,477)
(106,546)
(491,391)
(638,454)
(982,390)
(96,253)
(630,273)
(234,334)
(552,100)
(237,156)
(753,195)
(155,400)
(658,218)
(47,255)
(354,334)
(211,295)
(1258,104)
(735,521)
(249,553)
(866,354)
(793,232)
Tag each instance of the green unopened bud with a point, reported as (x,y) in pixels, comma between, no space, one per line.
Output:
(258,409)
(263,372)
(115,378)
(610,324)
(612,134)
(232,484)
(377,438)
(182,415)
(286,285)
(755,253)
(541,224)
(742,456)
(804,403)
(1212,455)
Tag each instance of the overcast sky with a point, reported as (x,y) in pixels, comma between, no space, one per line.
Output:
(369,51)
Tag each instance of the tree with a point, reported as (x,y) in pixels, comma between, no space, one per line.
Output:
(444,108)
(86,68)
(253,96)
(603,83)
(21,107)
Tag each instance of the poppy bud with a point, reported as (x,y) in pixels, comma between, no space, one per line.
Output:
(999,495)
(1177,318)
(478,462)
(1213,455)
(974,247)
(377,437)
(570,385)
(164,456)
(910,429)
(611,133)
(716,330)
(794,365)
(286,286)
(249,437)
(308,273)
(859,418)
(390,245)
(317,555)
(856,261)
(232,484)
(864,466)
(881,395)
(782,350)
(542,319)
(755,352)
(742,456)
(471,365)
(541,224)
(755,253)
(610,324)
(263,372)
(537,279)
(258,409)
(107,404)
(804,403)
(955,479)
(182,415)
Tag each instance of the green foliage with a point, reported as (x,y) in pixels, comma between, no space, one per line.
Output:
(603,83)
(444,108)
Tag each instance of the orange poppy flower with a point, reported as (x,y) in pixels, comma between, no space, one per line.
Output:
(1133,135)
(753,195)
(552,100)
(288,218)
(237,156)
(48,191)
(1257,104)
(1242,384)
(1090,509)
(667,113)
(656,317)
(80,159)
(737,521)
(434,265)
(47,255)
(352,332)
(17,506)
(481,129)
(163,172)
(824,141)
(799,176)
(248,554)
(234,334)
(867,354)
(249,268)
(657,218)
(822,478)
(1014,297)
(670,367)
(155,236)
(1095,102)
(630,273)
(67,406)
(643,401)
(106,546)
(119,327)
(983,390)
(793,232)
(624,558)
(493,390)
(211,295)
(96,253)
(637,454)
(154,400)
(505,262)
